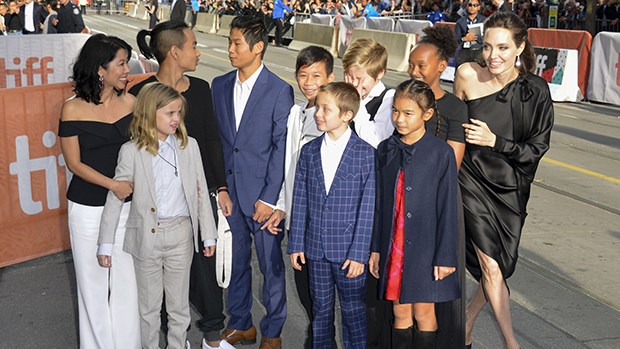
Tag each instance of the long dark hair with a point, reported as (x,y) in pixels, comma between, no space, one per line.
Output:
(512,22)
(98,51)
(163,37)
(419,92)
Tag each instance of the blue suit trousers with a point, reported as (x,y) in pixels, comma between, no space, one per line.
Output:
(269,254)
(324,276)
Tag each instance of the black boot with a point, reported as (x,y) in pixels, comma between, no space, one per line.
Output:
(424,339)
(402,339)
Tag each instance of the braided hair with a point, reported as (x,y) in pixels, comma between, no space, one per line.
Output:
(419,92)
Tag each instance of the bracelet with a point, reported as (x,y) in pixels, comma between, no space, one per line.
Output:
(222,189)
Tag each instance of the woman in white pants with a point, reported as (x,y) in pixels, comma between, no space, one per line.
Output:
(93,126)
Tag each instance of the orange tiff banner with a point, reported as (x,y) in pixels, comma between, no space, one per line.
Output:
(568,39)
(33,175)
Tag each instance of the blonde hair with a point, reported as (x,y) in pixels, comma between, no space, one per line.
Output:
(143,128)
(366,54)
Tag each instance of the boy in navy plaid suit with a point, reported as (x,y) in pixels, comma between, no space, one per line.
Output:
(333,208)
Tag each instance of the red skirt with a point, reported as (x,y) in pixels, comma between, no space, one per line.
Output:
(396,258)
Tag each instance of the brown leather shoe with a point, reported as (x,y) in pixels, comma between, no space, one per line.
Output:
(237,336)
(271,343)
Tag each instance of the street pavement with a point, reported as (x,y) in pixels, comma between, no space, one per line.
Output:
(564,292)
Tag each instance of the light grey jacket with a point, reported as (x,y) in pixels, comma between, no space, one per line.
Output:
(136,165)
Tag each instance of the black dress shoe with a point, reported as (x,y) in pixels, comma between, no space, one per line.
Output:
(468,346)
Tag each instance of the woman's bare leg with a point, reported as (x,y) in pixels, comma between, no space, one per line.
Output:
(472,311)
(494,286)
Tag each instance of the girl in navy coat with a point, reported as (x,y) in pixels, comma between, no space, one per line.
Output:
(415,228)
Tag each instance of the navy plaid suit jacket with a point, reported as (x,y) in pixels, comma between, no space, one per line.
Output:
(335,225)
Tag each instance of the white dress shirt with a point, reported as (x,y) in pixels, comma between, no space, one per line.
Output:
(171,202)
(331,153)
(301,129)
(242,93)
(382,126)
(29,17)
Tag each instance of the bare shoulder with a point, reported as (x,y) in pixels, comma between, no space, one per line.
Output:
(467,72)
(73,109)
(468,80)
(127,100)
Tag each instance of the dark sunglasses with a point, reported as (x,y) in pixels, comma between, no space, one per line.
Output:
(472,5)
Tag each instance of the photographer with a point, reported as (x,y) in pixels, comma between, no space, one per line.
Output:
(13,21)
(392,9)
(471,44)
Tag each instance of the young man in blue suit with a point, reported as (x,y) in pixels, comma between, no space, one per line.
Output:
(251,107)
(333,209)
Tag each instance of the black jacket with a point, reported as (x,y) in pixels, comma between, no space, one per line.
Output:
(178,12)
(38,14)
(505,7)
(69,19)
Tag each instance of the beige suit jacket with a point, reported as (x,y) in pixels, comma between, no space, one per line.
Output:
(136,165)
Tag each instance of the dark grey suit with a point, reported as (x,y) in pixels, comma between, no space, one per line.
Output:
(178,11)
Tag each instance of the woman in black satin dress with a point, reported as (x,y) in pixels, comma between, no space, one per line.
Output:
(511,116)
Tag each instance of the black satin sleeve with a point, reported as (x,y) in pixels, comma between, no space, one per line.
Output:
(531,102)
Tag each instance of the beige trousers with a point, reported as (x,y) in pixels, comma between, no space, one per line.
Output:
(166,270)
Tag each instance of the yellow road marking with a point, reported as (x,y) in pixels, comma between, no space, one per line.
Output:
(216,57)
(582,170)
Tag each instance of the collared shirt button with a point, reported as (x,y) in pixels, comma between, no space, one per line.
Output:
(408,189)
(326,209)
(325,231)
(408,214)
(236,150)
(229,171)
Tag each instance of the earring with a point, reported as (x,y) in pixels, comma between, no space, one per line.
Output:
(101,82)
(518,62)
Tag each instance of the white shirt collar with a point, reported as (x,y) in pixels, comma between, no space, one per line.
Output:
(340,143)
(249,83)
(379,87)
(169,141)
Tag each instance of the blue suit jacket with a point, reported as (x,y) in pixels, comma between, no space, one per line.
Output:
(254,154)
(338,224)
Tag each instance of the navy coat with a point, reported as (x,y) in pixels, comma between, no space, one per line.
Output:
(431,220)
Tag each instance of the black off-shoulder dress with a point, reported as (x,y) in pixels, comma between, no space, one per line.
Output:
(495,182)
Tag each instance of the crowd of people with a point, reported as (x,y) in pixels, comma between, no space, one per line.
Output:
(387,195)
(23,17)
